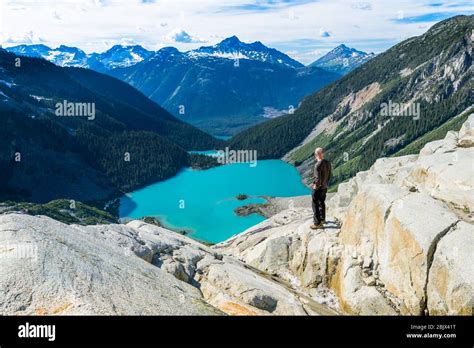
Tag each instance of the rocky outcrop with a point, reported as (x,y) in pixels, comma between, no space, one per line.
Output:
(285,247)
(47,267)
(405,216)
(406,241)
(394,232)
(225,282)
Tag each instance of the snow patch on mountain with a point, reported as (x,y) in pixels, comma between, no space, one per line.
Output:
(342,59)
(233,48)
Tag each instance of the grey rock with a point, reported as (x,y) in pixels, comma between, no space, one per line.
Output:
(48,267)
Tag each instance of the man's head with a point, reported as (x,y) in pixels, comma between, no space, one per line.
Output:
(319,154)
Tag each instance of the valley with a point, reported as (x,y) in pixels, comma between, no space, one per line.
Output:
(130,142)
(382,260)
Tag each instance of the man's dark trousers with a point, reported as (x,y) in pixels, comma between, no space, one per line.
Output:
(319,205)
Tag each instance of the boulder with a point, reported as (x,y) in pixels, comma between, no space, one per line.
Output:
(451,280)
(449,143)
(290,251)
(396,215)
(381,230)
(285,247)
(355,296)
(466,133)
(408,242)
(447,176)
(384,171)
(240,291)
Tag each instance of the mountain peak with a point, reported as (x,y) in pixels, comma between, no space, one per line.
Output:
(342,59)
(169,49)
(232,42)
(117,56)
(346,50)
(120,47)
(120,55)
(69,49)
(233,48)
(66,47)
(165,53)
(231,39)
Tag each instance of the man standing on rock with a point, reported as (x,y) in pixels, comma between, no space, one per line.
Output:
(322,175)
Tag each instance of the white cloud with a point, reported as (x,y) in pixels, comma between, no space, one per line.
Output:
(324,33)
(181,36)
(362,6)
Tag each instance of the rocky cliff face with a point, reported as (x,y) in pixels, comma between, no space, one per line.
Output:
(400,241)
(406,241)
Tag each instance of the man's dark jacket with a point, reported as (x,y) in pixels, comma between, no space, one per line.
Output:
(322,174)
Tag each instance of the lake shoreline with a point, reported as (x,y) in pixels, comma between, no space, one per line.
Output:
(205,200)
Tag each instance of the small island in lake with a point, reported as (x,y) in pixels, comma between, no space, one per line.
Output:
(261,209)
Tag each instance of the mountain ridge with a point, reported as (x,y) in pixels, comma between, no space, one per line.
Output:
(432,70)
(128,55)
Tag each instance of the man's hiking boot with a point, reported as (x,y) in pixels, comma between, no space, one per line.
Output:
(316,226)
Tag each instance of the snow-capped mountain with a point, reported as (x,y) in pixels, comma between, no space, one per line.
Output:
(342,59)
(37,51)
(118,56)
(62,56)
(217,94)
(233,48)
(67,56)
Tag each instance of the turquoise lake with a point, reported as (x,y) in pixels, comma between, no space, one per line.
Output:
(202,202)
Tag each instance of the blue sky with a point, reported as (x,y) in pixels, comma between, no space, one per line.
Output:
(304,29)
